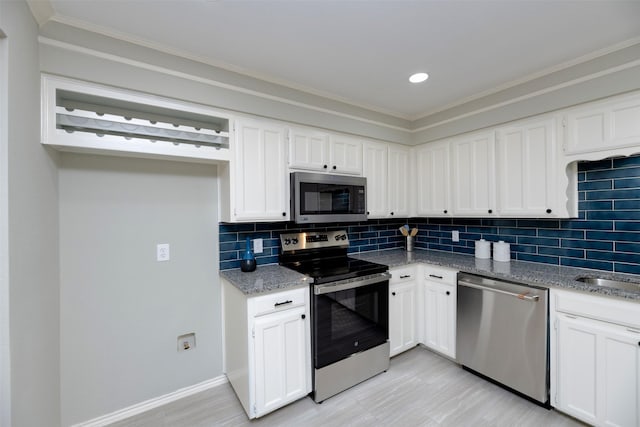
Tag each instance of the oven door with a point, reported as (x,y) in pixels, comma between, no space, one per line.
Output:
(349,318)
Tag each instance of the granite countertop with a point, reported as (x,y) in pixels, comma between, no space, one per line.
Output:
(265,278)
(550,276)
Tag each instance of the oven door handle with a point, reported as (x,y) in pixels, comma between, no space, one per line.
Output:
(351,284)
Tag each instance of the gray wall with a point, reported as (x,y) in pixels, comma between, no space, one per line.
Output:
(121,310)
(33,233)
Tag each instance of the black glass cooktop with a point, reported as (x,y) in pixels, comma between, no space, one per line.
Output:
(337,268)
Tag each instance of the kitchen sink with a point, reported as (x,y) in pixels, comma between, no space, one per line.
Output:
(607,283)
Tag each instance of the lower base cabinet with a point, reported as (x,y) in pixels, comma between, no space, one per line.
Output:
(422,308)
(267,347)
(402,310)
(595,359)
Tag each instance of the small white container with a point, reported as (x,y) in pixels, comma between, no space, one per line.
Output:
(501,251)
(483,249)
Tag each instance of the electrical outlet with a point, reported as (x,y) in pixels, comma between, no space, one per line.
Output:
(187,342)
(162,252)
(455,236)
(257,246)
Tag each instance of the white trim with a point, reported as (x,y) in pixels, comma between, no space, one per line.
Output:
(5,343)
(83,25)
(533,94)
(210,82)
(156,402)
(545,72)
(128,38)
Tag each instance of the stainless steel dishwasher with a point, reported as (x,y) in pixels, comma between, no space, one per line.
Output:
(502,333)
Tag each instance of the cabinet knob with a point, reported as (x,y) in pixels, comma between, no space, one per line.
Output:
(448,293)
(368,213)
(490,210)
(391,213)
(445,211)
(393,293)
(325,166)
(548,210)
(284,214)
(334,167)
(303,316)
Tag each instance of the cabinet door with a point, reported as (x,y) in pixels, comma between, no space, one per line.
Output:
(439,305)
(262,190)
(398,180)
(375,170)
(280,359)
(345,155)
(473,182)
(433,179)
(620,378)
(402,315)
(603,126)
(527,165)
(308,149)
(577,343)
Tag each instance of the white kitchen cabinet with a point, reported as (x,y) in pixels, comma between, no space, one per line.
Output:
(528,174)
(255,185)
(603,128)
(399,188)
(595,358)
(386,167)
(308,149)
(402,309)
(473,174)
(267,347)
(375,169)
(433,179)
(345,155)
(438,309)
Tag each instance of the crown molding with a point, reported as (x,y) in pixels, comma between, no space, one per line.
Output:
(42,11)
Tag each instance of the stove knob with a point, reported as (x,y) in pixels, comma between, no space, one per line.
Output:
(294,240)
(287,241)
(337,237)
(343,237)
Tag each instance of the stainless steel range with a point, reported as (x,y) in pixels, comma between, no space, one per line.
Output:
(350,310)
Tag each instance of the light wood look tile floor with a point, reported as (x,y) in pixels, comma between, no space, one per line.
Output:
(419,389)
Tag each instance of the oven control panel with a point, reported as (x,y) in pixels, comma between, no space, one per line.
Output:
(314,240)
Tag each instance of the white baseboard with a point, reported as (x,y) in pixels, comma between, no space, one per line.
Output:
(156,402)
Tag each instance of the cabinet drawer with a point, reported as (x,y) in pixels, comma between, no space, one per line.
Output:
(403,274)
(278,301)
(439,274)
(598,307)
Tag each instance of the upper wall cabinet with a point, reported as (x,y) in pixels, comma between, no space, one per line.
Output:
(314,150)
(530,180)
(345,155)
(89,118)
(308,149)
(603,128)
(399,186)
(433,186)
(254,185)
(473,174)
(386,167)
(375,168)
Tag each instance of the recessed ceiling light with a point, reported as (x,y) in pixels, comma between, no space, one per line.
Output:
(418,77)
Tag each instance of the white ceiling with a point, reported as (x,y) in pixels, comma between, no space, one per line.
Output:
(362,52)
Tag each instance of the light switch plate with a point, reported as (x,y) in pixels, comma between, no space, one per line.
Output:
(257,246)
(162,252)
(455,236)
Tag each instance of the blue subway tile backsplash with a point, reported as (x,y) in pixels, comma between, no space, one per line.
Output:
(605,236)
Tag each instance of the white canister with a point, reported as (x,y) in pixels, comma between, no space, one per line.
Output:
(483,249)
(501,251)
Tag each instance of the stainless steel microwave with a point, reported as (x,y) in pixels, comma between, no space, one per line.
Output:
(320,197)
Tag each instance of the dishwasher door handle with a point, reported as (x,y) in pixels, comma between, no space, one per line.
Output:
(522,296)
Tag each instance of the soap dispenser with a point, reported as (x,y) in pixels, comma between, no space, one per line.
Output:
(248,261)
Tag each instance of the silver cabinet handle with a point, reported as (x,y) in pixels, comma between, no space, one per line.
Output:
(523,296)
